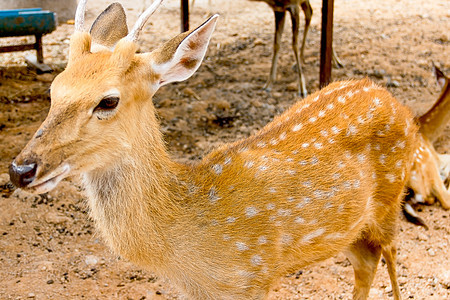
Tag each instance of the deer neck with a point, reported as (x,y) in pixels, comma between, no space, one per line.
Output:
(433,122)
(133,202)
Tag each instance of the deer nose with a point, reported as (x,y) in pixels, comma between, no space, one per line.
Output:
(22,175)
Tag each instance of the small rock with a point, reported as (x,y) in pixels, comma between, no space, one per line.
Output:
(258,42)
(444,278)
(51,281)
(190,92)
(31,295)
(55,218)
(292,87)
(222,104)
(422,236)
(47,77)
(393,83)
(277,94)
(22,195)
(4,178)
(431,252)
(91,260)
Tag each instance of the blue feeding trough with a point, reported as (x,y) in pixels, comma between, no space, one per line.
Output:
(27,21)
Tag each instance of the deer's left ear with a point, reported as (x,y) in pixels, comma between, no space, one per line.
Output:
(109,27)
(180,57)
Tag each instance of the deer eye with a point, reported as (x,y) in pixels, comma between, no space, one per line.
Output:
(107,103)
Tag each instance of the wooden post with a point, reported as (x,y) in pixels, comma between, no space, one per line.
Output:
(326,43)
(184,15)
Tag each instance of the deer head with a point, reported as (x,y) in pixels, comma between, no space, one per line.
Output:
(101,103)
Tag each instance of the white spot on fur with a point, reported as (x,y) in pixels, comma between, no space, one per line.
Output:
(340,164)
(312,119)
(256,260)
(251,211)
(292,172)
(399,163)
(305,145)
(334,236)
(273,142)
(307,183)
(227,161)
(305,201)
(341,99)
(312,235)
(217,169)
(213,197)
(270,206)
(330,106)
(318,145)
(299,220)
(335,129)
(376,101)
(383,158)
(321,114)
(351,129)
(241,246)
(390,177)
(262,240)
(286,239)
(226,237)
(336,176)
(297,127)
(361,157)
(249,164)
(261,145)
(231,220)
(282,136)
(284,212)
(324,133)
(314,160)
(263,168)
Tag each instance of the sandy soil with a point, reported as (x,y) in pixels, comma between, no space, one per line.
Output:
(48,246)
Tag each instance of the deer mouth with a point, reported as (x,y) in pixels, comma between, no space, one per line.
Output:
(50,181)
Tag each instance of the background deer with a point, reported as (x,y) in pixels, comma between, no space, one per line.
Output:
(325,176)
(280,7)
(430,168)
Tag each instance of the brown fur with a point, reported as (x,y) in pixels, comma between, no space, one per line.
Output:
(326,176)
(425,180)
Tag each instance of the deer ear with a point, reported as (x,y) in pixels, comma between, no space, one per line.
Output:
(180,57)
(109,27)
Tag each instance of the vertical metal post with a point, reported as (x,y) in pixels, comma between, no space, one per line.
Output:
(326,43)
(38,47)
(184,15)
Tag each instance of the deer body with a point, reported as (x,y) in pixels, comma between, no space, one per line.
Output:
(326,176)
(429,166)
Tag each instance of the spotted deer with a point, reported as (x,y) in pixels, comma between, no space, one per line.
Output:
(430,168)
(280,7)
(325,176)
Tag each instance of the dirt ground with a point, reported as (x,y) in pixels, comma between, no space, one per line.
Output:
(48,246)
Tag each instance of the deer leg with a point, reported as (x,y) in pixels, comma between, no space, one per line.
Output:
(295,17)
(364,258)
(390,255)
(307,10)
(279,27)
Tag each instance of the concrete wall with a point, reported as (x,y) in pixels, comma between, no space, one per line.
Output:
(65,9)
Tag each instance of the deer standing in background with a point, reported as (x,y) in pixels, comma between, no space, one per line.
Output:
(429,168)
(280,7)
(320,179)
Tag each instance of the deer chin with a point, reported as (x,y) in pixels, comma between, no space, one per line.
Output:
(49,181)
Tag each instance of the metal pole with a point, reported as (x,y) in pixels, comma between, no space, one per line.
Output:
(184,15)
(326,43)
